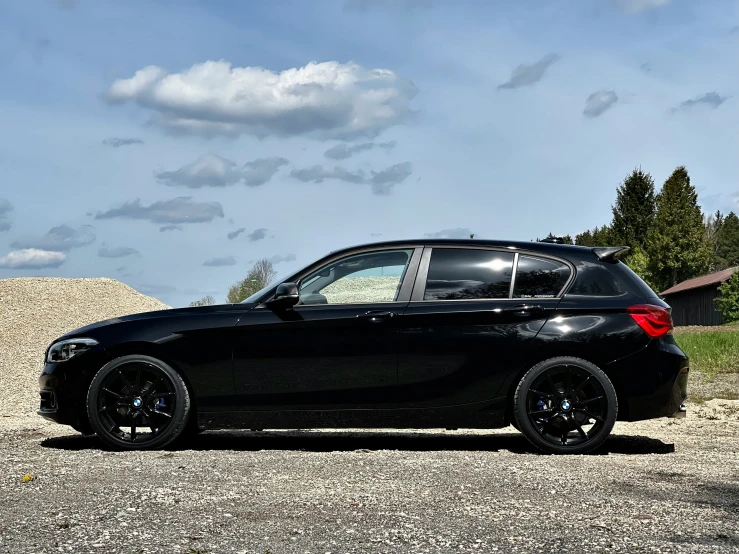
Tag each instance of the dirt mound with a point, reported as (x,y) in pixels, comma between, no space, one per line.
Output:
(35,311)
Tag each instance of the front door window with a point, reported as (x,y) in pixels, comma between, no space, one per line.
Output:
(370,277)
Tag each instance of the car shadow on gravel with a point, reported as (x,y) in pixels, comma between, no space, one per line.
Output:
(368,441)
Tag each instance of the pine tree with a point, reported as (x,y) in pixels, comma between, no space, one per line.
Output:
(727,243)
(600,236)
(677,247)
(713,223)
(633,213)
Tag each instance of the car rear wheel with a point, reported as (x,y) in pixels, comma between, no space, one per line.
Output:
(565,406)
(138,403)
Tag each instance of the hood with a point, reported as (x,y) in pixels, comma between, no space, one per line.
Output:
(173,312)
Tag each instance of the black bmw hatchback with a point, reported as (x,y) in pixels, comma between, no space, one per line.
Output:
(559,341)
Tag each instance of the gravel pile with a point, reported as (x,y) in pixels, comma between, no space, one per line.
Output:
(362,289)
(35,311)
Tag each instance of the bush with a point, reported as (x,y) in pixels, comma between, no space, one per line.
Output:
(728,302)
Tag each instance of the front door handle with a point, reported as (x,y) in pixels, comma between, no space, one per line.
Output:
(522,310)
(377,316)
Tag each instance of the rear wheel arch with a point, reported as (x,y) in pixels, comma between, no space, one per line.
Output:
(592,357)
(589,407)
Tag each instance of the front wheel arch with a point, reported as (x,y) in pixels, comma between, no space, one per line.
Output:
(138,348)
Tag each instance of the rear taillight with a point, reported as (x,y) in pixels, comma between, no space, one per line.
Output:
(656,321)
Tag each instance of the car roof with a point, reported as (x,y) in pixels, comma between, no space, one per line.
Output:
(554,249)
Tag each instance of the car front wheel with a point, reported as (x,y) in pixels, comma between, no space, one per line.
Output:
(565,405)
(138,403)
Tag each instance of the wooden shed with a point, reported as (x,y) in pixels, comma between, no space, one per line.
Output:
(692,300)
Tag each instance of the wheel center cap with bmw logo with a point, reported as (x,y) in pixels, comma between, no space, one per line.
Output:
(137,402)
(566,405)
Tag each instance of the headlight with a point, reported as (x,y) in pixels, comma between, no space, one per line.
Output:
(66,349)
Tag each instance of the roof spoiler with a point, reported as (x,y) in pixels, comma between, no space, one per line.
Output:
(609,252)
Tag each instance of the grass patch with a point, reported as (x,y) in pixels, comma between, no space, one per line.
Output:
(711,352)
(700,398)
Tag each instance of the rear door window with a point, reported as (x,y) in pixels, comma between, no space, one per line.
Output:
(539,277)
(468,274)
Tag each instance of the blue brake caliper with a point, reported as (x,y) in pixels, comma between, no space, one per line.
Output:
(541,405)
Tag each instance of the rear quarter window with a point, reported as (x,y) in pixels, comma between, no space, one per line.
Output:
(608,279)
(539,277)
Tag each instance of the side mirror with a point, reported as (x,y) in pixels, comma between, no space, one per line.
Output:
(286,295)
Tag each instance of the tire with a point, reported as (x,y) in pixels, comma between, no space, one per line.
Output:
(138,392)
(557,399)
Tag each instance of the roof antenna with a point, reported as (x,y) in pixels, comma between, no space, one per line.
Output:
(472,235)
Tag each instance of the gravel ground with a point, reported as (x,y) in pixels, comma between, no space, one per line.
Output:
(35,311)
(658,486)
(362,289)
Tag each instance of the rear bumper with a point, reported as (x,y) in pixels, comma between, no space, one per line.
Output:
(653,382)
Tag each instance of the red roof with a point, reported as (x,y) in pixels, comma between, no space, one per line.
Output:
(703,281)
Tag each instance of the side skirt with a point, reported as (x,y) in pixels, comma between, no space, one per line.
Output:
(483,415)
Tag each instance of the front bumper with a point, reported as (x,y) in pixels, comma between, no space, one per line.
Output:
(63,389)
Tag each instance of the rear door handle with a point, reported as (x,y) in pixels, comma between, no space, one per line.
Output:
(377,316)
(525,309)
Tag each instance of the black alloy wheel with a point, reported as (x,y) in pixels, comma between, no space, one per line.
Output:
(138,403)
(565,406)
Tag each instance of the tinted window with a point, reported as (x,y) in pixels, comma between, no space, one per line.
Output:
(461,274)
(369,277)
(608,279)
(539,277)
(597,279)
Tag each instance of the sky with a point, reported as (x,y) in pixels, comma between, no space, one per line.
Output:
(170,144)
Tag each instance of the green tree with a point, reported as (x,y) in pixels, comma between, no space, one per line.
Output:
(600,236)
(204,301)
(260,275)
(677,247)
(728,302)
(633,212)
(639,264)
(726,253)
(713,224)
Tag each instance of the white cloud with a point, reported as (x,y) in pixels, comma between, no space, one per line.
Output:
(524,75)
(32,258)
(456,233)
(280,258)
(636,6)
(219,262)
(177,210)
(343,152)
(382,182)
(5,207)
(116,251)
(61,238)
(211,170)
(599,102)
(207,171)
(328,99)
